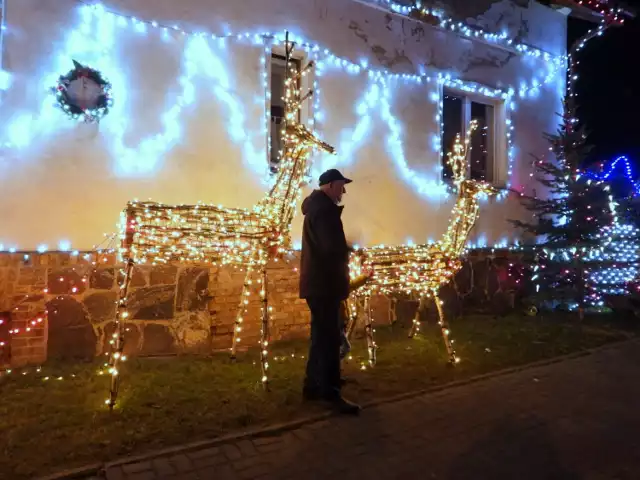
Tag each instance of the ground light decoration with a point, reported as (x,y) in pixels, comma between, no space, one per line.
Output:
(422,269)
(446,23)
(154,233)
(379,76)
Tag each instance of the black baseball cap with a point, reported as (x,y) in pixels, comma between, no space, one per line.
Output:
(333,175)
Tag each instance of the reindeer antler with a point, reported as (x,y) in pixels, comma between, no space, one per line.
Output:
(458,160)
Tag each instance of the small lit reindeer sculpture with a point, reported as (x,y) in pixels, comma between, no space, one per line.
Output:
(154,233)
(420,269)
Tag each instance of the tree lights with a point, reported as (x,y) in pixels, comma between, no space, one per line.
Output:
(568,222)
(155,234)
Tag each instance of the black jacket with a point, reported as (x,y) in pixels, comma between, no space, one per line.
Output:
(324,264)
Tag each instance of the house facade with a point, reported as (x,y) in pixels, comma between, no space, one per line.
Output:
(193,113)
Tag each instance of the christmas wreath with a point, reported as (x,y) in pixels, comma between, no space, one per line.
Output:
(83,93)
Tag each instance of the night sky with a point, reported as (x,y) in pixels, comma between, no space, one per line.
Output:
(608,89)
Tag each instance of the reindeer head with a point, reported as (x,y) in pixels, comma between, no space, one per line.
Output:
(476,188)
(458,160)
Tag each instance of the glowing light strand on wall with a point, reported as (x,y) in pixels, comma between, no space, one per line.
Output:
(5,78)
(163,141)
(470,31)
(376,98)
(149,150)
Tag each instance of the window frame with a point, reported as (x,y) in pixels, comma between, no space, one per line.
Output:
(306,113)
(499,158)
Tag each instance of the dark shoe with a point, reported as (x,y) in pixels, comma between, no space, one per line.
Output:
(345,380)
(310,395)
(344,407)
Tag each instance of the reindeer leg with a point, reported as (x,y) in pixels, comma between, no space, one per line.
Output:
(352,316)
(117,344)
(368,328)
(242,309)
(415,326)
(446,333)
(345,320)
(264,331)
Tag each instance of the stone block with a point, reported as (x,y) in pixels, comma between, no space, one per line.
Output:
(101,306)
(71,335)
(29,276)
(158,340)
(152,303)
(132,338)
(12,274)
(139,277)
(102,278)
(192,292)
(163,275)
(66,281)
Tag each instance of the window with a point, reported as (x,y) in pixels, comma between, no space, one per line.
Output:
(278,77)
(457,111)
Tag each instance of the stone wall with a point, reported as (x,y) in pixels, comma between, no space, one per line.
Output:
(188,309)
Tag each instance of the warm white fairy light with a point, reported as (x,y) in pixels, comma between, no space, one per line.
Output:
(424,269)
(154,233)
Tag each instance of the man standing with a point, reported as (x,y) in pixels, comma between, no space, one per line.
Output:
(324,284)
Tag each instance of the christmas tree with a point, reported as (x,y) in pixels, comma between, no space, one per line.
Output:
(567,220)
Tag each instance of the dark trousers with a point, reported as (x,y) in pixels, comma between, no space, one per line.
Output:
(323,364)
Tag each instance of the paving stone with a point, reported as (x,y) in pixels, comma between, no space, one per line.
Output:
(247,449)
(131,468)
(224,472)
(182,463)
(207,452)
(266,441)
(578,422)
(254,471)
(270,448)
(148,475)
(249,462)
(163,467)
(115,473)
(205,462)
(231,451)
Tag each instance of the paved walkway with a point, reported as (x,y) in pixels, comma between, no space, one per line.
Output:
(578,419)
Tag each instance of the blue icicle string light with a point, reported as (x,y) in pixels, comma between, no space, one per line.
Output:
(620,164)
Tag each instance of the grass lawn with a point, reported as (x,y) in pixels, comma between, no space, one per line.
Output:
(52,424)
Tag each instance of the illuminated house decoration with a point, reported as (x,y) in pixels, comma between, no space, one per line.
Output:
(160,234)
(422,269)
(615,263)
(193,117)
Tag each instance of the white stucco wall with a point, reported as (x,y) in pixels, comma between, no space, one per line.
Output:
(188,122)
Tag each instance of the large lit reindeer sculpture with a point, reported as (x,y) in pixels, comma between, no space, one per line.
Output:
(154,233)
(420,269)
